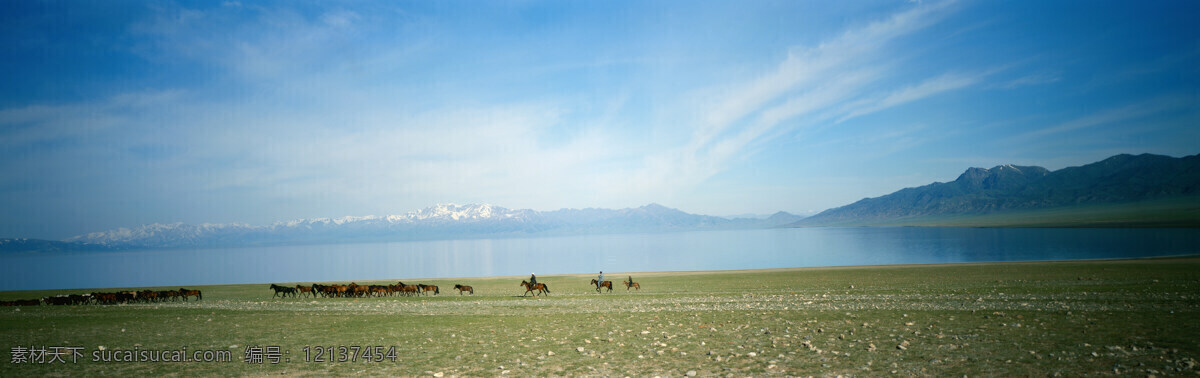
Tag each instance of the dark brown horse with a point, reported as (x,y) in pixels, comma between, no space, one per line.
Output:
(168,294)
(185,293)
(379,290)
(283,291)
(407,290)
(325,290)
(462,288)
(535,289)
(148,296)
(634,285)
(361,291)
(607,284)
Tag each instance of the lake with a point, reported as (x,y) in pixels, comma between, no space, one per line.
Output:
(698,250)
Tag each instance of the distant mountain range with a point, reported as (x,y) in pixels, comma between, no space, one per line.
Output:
(1124,190)
(1006,189)
(447,221)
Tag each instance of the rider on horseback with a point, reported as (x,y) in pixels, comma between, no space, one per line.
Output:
(532,280)
(600,281)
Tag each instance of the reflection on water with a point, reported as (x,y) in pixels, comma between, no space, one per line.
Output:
(702,250)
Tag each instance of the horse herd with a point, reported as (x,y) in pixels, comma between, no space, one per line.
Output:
(354,290)
(144,296)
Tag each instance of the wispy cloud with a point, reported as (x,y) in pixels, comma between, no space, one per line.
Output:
(1110,116)
(945,83)
(812,84)
(805,65)
(1031,80)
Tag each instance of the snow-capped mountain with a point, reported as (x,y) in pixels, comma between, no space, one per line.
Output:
(444,221)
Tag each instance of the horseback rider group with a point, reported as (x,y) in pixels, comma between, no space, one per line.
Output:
(599,280)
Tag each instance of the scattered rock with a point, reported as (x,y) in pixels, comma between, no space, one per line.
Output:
(691,373)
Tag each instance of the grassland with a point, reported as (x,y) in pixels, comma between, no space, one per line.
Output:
(1132,317)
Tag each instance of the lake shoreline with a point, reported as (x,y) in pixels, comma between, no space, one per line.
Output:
(620,276)
(586,254)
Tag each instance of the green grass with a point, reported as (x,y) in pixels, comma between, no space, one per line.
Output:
(1132,317)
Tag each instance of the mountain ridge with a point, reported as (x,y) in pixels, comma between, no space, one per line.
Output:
(1118,179)
(442,221)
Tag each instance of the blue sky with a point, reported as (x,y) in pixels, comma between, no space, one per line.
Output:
(116,114)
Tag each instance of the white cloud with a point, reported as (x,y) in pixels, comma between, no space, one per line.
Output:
(807,87)
(944,83)
(1031,80)
(1112,115)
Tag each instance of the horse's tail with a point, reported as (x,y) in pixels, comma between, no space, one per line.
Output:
(436,290)
(199,295)
(547,287)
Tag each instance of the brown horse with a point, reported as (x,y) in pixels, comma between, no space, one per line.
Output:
(407,290)
(428,288)
(462,288)
(634,285)
(325,290)
(607,284)
(379,290)
(306,290)
(148,296)
(105,298)
(185,293)
(168,294)
(535,289)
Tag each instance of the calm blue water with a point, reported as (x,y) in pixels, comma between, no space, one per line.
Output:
(702,250)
